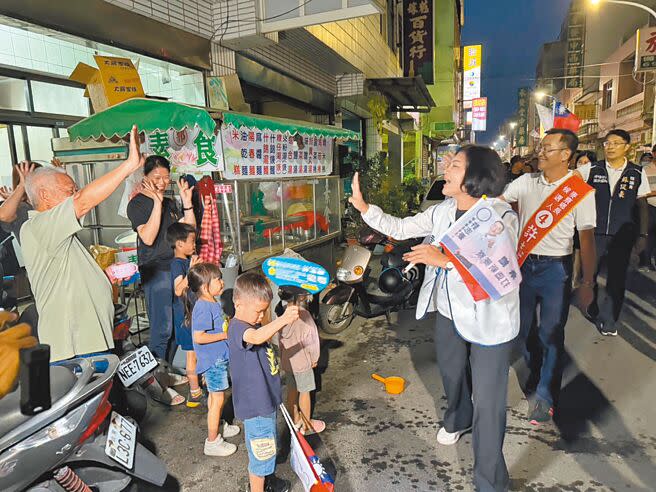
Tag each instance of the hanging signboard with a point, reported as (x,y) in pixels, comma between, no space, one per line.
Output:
(261,153)
(575,45)
(523,96)
(472,72)
(479,114)
(418,39)
(188,150)
(645,60)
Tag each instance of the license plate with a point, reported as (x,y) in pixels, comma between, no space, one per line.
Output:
(136,365)
(121,440)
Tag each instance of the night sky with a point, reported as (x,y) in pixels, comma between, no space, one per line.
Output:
(511,32)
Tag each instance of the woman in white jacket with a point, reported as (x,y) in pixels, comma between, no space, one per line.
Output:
(473,339)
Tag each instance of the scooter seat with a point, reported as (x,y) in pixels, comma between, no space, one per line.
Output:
(61,382)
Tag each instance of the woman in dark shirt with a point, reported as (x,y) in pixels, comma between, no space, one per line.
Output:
(151,214)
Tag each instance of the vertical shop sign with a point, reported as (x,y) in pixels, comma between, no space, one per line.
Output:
(418,39)
(523,96)
(645,50)
(472,62)
(575,45)
(479,114)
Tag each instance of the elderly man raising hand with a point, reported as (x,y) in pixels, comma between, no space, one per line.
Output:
(73,295)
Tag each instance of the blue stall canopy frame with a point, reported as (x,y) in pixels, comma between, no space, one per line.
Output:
(299,273)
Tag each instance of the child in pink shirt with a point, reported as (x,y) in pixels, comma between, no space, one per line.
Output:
(299,354)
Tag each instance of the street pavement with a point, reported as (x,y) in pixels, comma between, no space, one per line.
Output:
(603,438)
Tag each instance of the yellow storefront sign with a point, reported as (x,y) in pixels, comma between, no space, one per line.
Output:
(114,81)
(586,111)
(472,58)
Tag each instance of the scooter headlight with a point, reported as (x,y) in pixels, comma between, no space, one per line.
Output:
(60,428)
(342,274)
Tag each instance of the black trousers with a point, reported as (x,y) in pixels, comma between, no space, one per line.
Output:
(615,253)
(482,371)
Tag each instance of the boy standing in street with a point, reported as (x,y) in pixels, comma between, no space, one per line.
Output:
(255,373)
(552,204)
(620,186)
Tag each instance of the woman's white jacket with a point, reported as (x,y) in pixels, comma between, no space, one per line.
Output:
(485,322)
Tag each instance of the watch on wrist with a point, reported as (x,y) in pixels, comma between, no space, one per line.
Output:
(187,208)
(449,265)
(644,235)
(590,284)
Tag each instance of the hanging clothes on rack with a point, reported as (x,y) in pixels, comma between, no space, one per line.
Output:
(210,227)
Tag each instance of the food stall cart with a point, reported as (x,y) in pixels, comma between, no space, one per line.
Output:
(272,176)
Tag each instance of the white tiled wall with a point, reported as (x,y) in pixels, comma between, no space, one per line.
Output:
(359,41)
(35,51)
(191,15)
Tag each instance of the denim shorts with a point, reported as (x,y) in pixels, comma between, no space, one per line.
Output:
(261,435)
(216,377)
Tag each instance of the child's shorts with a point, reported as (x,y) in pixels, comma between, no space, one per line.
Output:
(260,434)
(302,381)
(216,377)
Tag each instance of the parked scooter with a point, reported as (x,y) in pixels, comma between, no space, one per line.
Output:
(355,293)
(73,441)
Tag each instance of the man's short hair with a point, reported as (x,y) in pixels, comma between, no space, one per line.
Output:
(618,132)
(39,178)
(568,137)
(179,231)
(515,159)
(252,285)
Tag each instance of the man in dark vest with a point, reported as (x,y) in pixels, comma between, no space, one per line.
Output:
(621,188)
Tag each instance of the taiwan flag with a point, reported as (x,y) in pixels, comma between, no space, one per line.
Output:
(564,119)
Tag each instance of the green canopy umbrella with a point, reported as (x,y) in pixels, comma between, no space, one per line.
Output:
(287,125)
(148,114)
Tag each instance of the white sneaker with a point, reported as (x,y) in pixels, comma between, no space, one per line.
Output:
(230,430)
(448,438)
(219,447)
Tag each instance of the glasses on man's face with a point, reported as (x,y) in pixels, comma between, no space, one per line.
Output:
(547,151)
(614,143)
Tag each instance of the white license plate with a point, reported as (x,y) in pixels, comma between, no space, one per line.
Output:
(121,440)
(136,365)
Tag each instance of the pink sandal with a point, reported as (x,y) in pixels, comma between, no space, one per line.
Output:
(318,426)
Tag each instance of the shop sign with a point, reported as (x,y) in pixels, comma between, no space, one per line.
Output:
(586,111)
(575,45)
(523,100)
(222,189)
(472,62)
(188,151)
(256,153)
(645,60)
(418,39)
(479,114)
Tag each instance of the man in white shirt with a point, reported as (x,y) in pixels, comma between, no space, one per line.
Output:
(547,270)
(620,187)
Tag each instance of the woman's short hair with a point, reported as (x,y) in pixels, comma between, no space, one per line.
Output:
(485,174)
(252,285)
(155,161)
